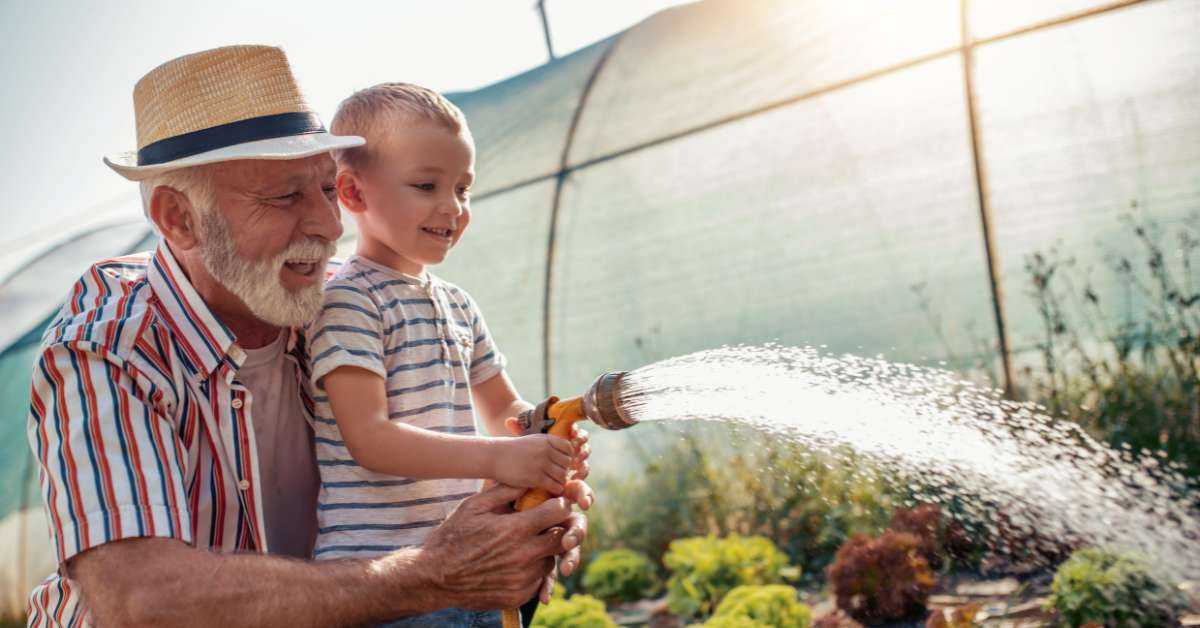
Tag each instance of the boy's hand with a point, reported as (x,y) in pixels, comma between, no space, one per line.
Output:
(535,461)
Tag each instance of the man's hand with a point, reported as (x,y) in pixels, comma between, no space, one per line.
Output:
(484,556)
(579,493)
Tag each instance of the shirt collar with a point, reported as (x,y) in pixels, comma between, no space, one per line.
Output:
(205,338)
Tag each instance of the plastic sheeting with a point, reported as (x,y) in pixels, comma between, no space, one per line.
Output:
(791,171)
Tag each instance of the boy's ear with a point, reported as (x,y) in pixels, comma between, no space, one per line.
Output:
(349,193)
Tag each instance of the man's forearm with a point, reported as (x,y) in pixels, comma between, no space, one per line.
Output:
(162,582)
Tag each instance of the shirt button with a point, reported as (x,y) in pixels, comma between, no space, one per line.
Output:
(236,403)
(244,485)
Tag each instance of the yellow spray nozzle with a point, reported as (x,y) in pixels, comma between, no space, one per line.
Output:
(600,404)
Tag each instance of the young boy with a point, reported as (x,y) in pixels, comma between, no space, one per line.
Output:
(401,359)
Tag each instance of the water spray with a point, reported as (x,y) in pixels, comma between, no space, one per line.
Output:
(601,404)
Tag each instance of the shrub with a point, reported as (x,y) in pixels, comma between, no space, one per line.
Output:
(578,611)
(1114,589)
(621,575)
(770,606)
(704,569)
(942,540)
(881,579)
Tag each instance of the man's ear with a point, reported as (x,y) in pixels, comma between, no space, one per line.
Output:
(172,213)
(349,194)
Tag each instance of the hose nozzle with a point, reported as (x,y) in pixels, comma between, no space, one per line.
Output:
(602,402)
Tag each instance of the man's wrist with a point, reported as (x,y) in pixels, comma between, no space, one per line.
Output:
(412,581)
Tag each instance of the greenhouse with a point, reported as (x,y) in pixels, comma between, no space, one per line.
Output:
(869,177)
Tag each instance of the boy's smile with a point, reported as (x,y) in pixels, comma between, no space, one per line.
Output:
(413,202)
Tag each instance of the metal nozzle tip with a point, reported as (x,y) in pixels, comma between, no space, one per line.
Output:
(602,402)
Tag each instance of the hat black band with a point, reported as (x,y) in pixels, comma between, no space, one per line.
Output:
(240,132)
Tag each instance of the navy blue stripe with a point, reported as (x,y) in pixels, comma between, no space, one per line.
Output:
(452,429)
(413,343)
(414,321)
(366,483)
(229,134)
(350,306)
(134,491)
(360,275)
(351,527)
(159,456)
(122,265)
(421,365)
(416,301)
(335,348)
(354,289)
(391,282)
(62,459)
(91,448)
(337,462)
(441,405)
(351,329)
(328,441)
(141,353)
(402,504)
(195,324)
(426,386)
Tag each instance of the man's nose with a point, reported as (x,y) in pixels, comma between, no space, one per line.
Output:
(323,219)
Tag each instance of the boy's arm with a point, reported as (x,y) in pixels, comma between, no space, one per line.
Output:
(497,400)
(359,401)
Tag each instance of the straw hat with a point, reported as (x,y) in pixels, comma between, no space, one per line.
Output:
(239,102)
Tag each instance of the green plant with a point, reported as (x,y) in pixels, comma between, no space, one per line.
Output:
(881,579)
(578,611)
(711,480)
(704,569)
(1112,588)
(621,575)
(769,606)
(1123,362)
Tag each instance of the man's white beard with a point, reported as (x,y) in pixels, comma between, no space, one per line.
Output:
(257,283)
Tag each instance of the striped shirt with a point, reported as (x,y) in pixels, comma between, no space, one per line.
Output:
(427,340)
(139,423)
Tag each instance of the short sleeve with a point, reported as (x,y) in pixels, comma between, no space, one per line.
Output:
(110,463)
(349,332)
(486,359)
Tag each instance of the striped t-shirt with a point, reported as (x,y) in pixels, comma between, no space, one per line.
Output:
(427,339)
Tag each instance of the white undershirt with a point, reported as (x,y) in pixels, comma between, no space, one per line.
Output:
(287,468)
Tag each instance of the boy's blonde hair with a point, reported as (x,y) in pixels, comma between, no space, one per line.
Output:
(373,110)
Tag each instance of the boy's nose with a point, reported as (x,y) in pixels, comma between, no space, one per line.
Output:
(451,207)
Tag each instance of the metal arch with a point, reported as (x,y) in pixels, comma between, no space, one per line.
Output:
(560,179)
(981,193)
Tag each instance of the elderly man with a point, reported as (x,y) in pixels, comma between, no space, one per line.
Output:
(168,406)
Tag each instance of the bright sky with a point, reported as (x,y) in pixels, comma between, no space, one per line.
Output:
(69,70)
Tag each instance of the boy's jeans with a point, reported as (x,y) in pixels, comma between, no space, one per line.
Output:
(449,618)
